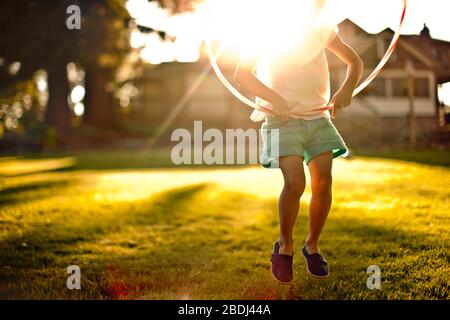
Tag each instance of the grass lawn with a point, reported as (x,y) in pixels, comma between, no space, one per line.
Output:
(432,157)
(153,232)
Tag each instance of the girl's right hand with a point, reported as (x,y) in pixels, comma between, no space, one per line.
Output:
(281,109)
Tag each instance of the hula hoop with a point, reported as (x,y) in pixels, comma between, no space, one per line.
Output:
(213,61)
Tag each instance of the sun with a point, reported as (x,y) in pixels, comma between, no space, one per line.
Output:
(265,27)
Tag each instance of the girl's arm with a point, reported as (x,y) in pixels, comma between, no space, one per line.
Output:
(355,66)
(245,76)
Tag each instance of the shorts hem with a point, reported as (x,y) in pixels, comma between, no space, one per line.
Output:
(337,148)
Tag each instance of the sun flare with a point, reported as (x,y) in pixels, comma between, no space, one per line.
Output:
(267,27)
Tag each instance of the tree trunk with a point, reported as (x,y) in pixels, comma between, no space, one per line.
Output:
(58,111)
(99,102)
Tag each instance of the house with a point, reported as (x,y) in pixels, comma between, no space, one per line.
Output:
(380,114)
(383,109)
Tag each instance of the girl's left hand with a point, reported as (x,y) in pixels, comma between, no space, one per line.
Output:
(342,99)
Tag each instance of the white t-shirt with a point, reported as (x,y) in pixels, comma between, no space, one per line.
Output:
(301,77)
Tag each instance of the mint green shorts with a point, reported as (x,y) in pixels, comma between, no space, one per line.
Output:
(299,137)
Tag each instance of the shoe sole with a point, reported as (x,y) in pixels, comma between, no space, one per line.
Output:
(280,282)
(311,274)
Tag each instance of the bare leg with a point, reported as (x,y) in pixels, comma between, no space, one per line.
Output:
(289,201)
(320,169)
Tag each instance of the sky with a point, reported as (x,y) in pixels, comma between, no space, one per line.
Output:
(375,15)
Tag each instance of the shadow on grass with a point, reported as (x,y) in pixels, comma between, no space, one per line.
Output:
(186,243)
(173,238)
(33,191)
(103,160)
(160,209)
(55,244)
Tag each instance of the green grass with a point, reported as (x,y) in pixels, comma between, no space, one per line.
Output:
(145,231)
(431,157)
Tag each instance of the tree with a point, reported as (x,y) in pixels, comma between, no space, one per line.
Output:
(37,37)
(103,45)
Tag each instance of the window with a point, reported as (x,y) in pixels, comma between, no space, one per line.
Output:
(421,87)
(399,87)
(439,54)
(435,53)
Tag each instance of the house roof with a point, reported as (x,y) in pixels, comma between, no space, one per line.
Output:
(422,46)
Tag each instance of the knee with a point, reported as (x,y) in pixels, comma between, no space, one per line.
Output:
(294,187)
(322,184)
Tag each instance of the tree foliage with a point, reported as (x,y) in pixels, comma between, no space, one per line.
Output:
(35,37)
